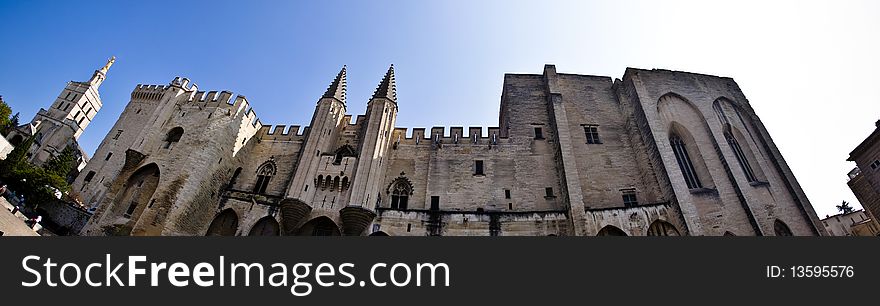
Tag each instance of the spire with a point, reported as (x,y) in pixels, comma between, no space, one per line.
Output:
(337,88)
(107,66)
(387,88)
(101,74)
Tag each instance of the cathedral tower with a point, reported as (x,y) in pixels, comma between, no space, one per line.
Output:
(62,124)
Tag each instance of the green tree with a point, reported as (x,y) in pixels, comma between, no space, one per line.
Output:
(37,184)
(62,164)
(16,157)
(844,207)
(5,111)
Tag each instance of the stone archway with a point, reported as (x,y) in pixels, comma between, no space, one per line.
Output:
(224,224)
(662,228)
(320,226)
(379,233)
(611,230)
(267,226)
(137,194)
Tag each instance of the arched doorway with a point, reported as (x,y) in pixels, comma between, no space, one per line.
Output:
(662,228)
(267,226)
(781,228)
(139,189)
(611,230)
(320,226)
(224,224)
(379,233)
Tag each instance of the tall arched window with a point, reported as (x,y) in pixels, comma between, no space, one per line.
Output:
(173,137)
(684,162)
(740,156)
(264,175)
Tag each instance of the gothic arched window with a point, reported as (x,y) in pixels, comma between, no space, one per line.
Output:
(400,195)
(264,175)
(684,162)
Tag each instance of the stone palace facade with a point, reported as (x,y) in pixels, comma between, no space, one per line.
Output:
(657,153)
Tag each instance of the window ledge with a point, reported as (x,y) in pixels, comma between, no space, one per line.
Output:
(549,197)
(759,183)
(479,174)
(704,191)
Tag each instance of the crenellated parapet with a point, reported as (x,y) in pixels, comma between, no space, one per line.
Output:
(283,132)
(148,92)
(474,135)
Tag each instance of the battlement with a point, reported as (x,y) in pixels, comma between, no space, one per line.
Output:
(212,97)
(358,119)
(452,135)
(148,92)
(183,83)
(282,132)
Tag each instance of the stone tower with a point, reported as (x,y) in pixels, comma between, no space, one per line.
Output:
(62,124)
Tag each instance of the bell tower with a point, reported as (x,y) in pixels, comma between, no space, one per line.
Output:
(61,125)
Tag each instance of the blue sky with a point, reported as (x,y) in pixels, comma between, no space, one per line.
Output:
(808,68)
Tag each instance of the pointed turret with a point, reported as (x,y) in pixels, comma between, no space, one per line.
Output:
(337,88)
(387,88)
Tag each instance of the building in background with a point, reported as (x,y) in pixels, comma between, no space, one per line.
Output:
(864,180)
(61,125)
(856,223)
(658,152)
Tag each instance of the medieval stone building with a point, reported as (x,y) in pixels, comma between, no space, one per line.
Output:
(864,179)
(656,153)
(61,125)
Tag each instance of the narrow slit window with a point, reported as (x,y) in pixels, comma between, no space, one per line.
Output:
(684,162)
(629,198)
(740,157)
(548,192)
(131,208)
(89,176)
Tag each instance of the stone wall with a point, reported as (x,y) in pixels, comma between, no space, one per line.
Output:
(540,175)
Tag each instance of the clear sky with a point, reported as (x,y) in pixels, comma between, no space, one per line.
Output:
(809,69)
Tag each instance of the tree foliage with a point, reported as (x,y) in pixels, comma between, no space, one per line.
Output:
(37,184)
(5,111)
(844,207)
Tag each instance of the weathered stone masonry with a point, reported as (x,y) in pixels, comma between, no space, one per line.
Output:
(656,153)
